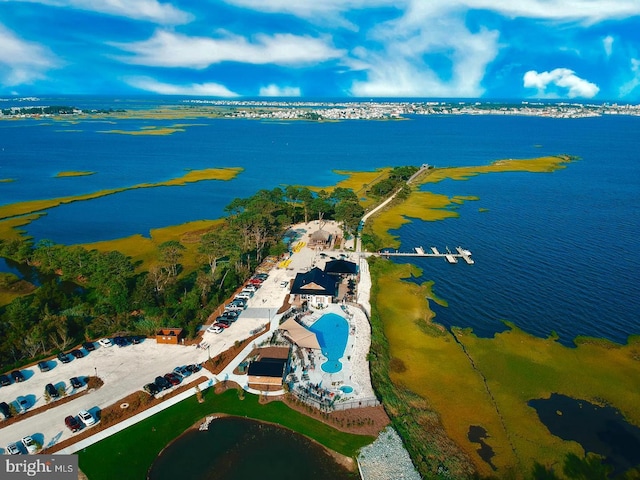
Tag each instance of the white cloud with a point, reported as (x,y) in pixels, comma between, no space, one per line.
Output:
(402,66)
(148,10)
(22,61)
(607,43)
(277,91)
(589,11)
(632,84)
(169,49)
(205,89)
(563,78)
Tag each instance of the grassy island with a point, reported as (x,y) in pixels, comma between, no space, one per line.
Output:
(74,174)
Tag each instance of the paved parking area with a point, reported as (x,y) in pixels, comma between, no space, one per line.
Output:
(125,370)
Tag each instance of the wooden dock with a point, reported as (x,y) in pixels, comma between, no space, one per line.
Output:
(449,256)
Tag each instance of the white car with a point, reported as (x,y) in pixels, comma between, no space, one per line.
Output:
(12,449)
(105,342)
(86,418)
(250,288)
(215,329)
(29,444)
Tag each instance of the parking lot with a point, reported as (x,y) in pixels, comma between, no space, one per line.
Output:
(125,370)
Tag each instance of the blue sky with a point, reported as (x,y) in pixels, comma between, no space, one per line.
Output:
(566,49)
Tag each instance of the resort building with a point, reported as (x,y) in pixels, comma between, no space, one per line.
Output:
(315,287)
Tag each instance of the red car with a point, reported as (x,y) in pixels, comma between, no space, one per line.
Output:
(222,325)
(172,378)
(256,281)
(72,423)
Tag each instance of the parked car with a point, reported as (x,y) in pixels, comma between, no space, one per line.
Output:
(136,340)
(77,353)
(255,281)
(76,382)
(151,388)
(193,368)
(162,383)
(120,341)
(222,325)
(29,444)
(17,376)
(63,357)
(5,380)
(105,342)
(23,404)
(72,423)
(44,366)
(86,418)
(173,379)
(13,449)
(184,371)
(262,276)
(51,390)
(89,346)
(5,410)
(251,287)
(215,329)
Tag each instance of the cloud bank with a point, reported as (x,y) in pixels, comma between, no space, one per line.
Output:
(564,79)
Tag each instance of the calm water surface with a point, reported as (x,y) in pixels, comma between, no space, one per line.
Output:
(238,449)
(554,252)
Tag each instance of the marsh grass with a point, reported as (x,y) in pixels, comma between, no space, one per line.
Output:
(74,174)
(144,250)
(435,383)
(32,206)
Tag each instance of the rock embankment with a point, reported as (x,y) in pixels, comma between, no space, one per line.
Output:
(386,459)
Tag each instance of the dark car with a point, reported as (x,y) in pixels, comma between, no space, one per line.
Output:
(5,380)
(44,366)
(51,390)
(136,340)
(76,382)
(120,341)
(89,346)
(193,368)
(17,376)
(72,423)
(77,353)
(5,410)
(162,383)
(151,388)
(63,357)
(172,378)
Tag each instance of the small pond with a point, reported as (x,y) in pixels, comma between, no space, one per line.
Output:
(601,430)
(238,448)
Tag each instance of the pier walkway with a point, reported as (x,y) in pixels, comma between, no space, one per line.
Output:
(449,256)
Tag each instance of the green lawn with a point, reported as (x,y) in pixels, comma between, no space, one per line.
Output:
(130,453)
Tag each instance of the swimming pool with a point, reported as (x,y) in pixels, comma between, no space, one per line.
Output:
(333,332)
(346,389)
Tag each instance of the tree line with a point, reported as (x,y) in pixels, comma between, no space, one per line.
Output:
(86,294)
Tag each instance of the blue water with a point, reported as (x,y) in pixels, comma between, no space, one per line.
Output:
(333,332)
(554,252)
(346,388)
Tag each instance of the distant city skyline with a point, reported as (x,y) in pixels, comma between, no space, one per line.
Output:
(551,49)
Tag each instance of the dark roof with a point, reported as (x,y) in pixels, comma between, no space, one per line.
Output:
(314,282)
(341,267)
(268,367)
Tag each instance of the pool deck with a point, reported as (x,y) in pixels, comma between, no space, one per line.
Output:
(355,366)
